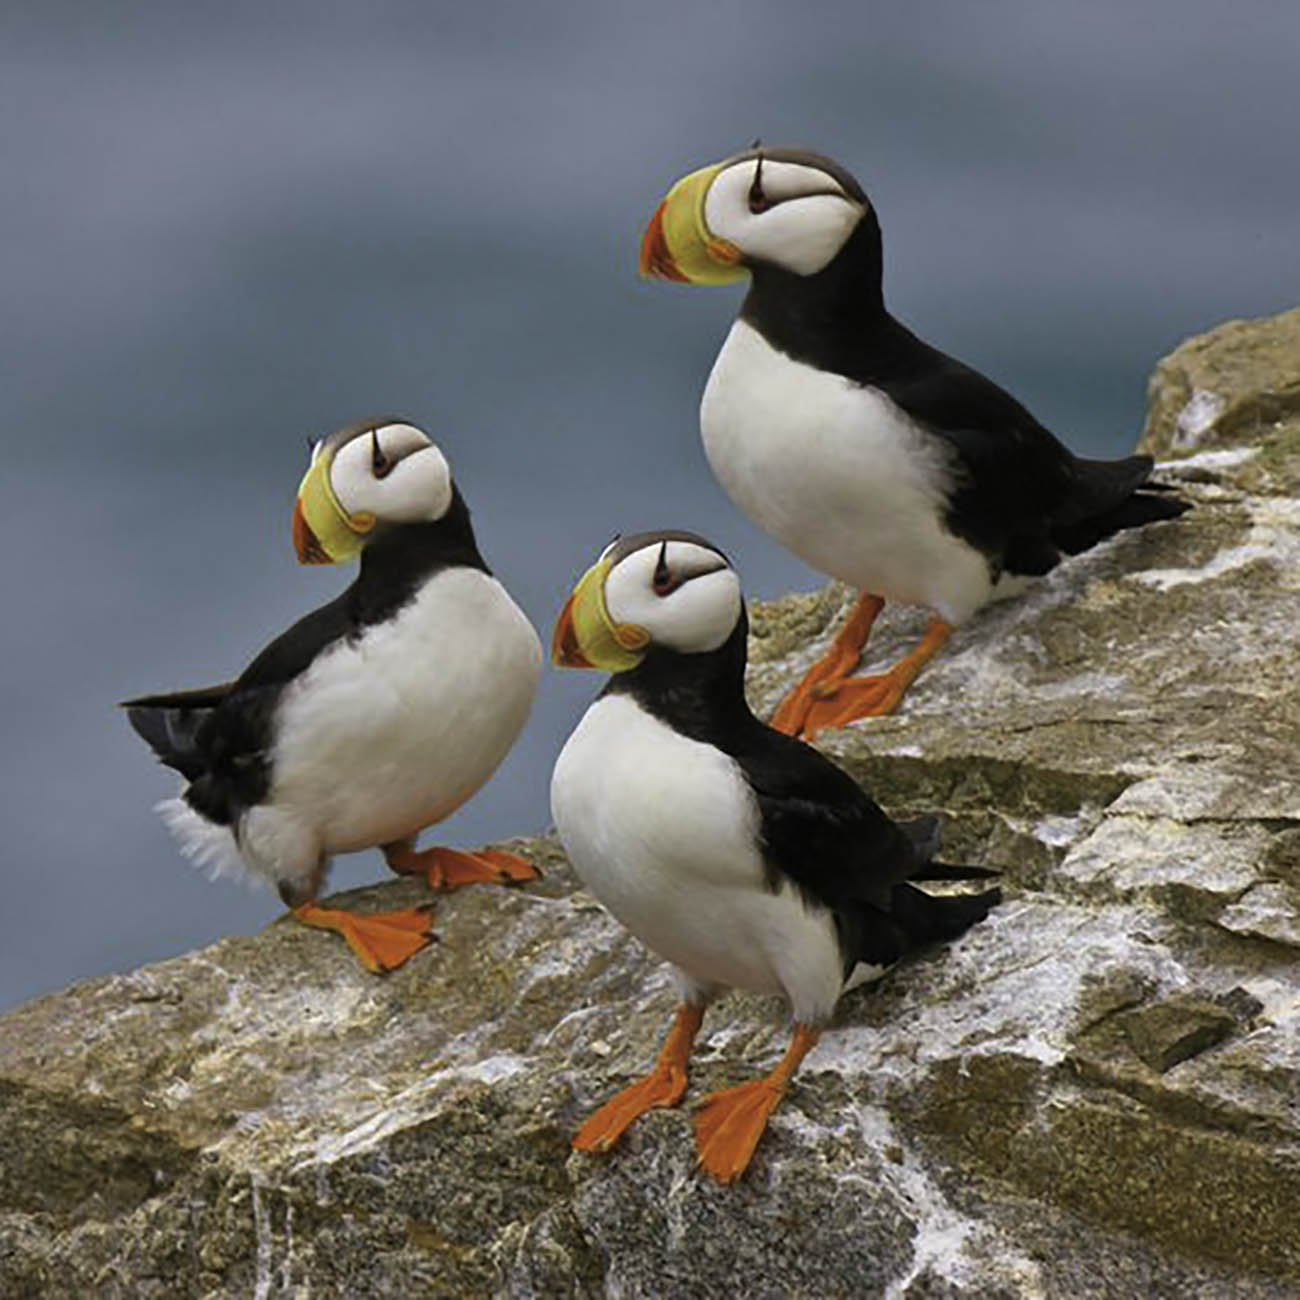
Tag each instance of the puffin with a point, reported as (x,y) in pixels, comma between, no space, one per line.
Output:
(874,457)
(372,717)
(739,854)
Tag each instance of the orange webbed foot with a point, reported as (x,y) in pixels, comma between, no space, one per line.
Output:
(728,1124)
(874,696)
(663,1086)
(605,1126)
(450,868)
(382,941)
(825,676)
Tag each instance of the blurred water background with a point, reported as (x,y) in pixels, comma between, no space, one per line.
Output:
(227,228)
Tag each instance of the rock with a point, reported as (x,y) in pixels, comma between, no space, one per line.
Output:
(1165,1033)
(1236,387)
(1094,1093)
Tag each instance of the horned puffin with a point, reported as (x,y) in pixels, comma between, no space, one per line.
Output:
(739,854)
(871,455)
(372,717)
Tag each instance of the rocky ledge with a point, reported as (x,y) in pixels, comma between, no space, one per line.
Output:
(1095,1093)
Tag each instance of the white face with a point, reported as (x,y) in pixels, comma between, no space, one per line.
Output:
(393,472)
(684,595)
(797,217)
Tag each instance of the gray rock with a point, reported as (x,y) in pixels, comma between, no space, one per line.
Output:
(1095,1093)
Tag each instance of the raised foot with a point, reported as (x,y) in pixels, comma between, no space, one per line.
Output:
(728,1125)
(451,868)
(382,940)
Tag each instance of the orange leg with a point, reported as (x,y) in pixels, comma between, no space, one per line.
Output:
(729,1123)
(448,868)
(825,676)
(382,940)
(663,1086)
(879,694)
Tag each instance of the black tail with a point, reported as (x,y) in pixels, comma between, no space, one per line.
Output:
(1108,496)
(934,918)
(169,725)
(172,734)
(1141,508)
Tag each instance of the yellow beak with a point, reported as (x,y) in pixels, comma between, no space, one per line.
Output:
(323,532)
(678,245)
(585,635)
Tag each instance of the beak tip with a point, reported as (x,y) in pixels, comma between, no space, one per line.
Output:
(657,261)
(305,542)
(566,648)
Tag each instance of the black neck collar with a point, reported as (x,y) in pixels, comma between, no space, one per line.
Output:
(402,557)
(699,695)
(824,319)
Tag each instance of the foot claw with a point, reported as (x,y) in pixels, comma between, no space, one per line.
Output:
(512,867)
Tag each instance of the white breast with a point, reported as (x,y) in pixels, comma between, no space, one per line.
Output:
(664,832)
(839,474)
(388,734)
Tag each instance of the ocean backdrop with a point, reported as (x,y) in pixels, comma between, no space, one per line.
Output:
(227,229)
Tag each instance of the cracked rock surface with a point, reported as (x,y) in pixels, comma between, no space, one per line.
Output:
(1094,1093)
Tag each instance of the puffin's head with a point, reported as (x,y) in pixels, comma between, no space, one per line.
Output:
(368,475)
(781,207)
(670,590)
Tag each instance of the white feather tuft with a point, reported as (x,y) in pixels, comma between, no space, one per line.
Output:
(210,847)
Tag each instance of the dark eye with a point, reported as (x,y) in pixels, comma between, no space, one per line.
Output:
(379,463)
(663,581)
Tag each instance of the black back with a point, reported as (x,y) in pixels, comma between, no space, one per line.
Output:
(219,738)
(819,829)
(1020,495)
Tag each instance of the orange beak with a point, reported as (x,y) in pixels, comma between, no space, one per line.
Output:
(565,651)
(305,542)
(656,257)
(678,244)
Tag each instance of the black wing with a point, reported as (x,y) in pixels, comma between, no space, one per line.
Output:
(1014,474)
(1022,496)
(820,829)
(170,725)
(824,833)
(219,737)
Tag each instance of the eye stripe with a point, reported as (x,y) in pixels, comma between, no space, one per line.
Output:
(758,201)
(663,581)
(380,465)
